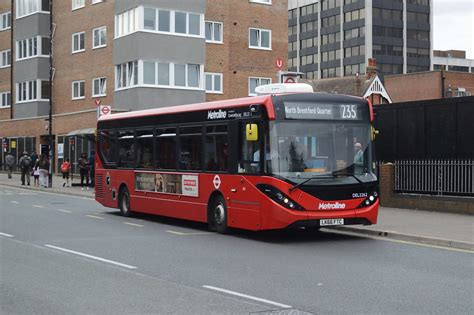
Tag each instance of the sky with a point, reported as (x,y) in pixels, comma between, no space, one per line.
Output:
(454,25)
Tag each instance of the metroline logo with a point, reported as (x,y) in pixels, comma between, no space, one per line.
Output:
(220,114)
(326,206)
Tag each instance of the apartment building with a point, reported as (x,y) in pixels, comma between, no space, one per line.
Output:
(130,55)
(452,60)
(335,38)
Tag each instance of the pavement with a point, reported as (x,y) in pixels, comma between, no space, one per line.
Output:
(418,226)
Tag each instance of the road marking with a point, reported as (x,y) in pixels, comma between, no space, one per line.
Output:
(65,211)
(133,224)
(91,257)
(37,206)
(188,233)
(15,202)
(6,235)
(247,296)
(94,216)
(380,238)
(91,198)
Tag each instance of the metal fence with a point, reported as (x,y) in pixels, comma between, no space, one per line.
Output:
(435,177)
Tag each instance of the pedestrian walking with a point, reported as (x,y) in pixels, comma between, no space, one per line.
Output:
(43,165)
(9,163)
(25,167)
(36,175)
(65,169)
(34,158)
(92,167)
(84,170)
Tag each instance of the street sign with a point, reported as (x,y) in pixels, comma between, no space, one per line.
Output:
(290,80)
(279,63)
(103,110)
(289,76)
(97,101)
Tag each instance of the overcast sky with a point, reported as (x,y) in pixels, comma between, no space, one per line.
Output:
(454,25)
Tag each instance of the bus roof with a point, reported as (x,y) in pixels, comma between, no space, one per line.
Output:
(237,102)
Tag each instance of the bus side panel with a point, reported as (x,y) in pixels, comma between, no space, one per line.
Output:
(103,191)
(369,213)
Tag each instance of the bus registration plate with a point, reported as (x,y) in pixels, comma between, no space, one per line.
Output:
(326,222)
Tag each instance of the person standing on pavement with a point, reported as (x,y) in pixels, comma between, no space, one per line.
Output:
(65,169)
(36,175)
(84,170)
(25,167)
(34,158)
(43,165)
(9,163)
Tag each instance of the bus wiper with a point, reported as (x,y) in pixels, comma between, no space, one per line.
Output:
(307,180)
(336,173)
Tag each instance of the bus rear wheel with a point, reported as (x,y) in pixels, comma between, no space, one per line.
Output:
(124,202)
(218,215)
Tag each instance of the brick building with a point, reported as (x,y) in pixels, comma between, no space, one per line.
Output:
(131,55)
(429,85)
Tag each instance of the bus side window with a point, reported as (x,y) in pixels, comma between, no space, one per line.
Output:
(108,146)
(126,149)
(216,145)
(166,148)
(190,148)
(249,153)
(144,148)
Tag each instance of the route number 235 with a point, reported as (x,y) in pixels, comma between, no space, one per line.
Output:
(349,112)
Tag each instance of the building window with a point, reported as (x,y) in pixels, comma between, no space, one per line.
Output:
(330,4)
(78,90)
(213,83)
(5,21)
(27,7)
(28,91)
(97,1)
(126,75)
(262,1)
(126,22)
(5,58)
(5,99)
(99,87)
(32,47)
(78,42)
(214,32)
(354,15)
(99,37)
(77,4)
(260,38)
(254,82)
(185,23)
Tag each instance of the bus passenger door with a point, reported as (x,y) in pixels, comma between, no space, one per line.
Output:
(244,208)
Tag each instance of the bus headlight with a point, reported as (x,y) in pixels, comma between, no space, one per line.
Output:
(279,197)
(370,200)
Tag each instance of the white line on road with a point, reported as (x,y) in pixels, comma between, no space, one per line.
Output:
(91,257)
(133,224)
(186,233)
(93,216)
(65,211)
(37,206)
(15,202)
(247,296)
(5,234)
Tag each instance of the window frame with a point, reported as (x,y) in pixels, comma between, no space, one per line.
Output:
(213,41)
(104,86)
(98,29)
(77,4)
(213,76)
(5,19)
(259,38)
(260,83)
(74,98)
(266,2)
(8,58)
(73,42)
(5,96)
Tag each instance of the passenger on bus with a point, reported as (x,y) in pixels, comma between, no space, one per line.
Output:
(358,159)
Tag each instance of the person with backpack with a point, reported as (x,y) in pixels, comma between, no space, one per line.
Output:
(65,169)
(10,163)
(84,170)
(25,167)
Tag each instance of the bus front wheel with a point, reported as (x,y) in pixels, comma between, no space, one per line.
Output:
(124,202)
(218,215)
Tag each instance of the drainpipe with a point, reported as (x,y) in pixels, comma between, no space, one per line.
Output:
(12,59)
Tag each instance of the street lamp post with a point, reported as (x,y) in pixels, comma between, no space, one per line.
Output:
(50,117)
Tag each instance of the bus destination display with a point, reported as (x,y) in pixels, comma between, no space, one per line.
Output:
(325,111)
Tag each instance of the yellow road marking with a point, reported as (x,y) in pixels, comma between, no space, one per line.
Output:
(93,216)
(133,224)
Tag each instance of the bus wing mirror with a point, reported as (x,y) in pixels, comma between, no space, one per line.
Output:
(251,132)
(374,132)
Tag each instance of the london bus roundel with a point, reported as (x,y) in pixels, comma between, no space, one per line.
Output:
(217,181)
